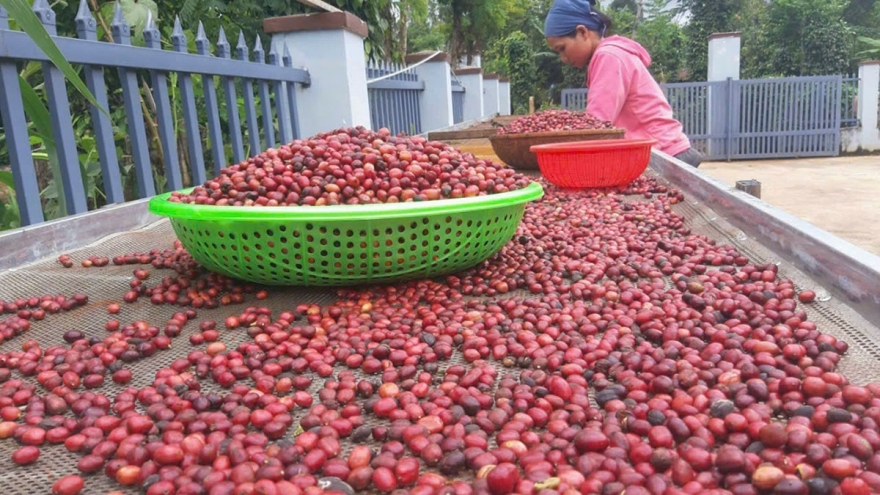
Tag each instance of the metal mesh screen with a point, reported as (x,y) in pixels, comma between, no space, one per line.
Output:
(108,284)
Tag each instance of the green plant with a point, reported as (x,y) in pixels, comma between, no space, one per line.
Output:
(872,47)
(137,13)
(10,217)
(521,68)
(28,21)
(808,37)
(44,145)
(707,17)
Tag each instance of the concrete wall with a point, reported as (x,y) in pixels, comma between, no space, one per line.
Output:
(869,94)
(504,98)
(724,64)
(490,96)
(337,96)
(473,96)
(724,56)
(435,101)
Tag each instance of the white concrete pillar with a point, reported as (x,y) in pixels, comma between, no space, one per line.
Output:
(472,80)
(504,105)
(331,47)
(724,56)
(869,100)
(724,64)
(477,62)
(435,102)
(490,98)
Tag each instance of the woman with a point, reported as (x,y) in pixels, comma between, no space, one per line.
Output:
(622,90)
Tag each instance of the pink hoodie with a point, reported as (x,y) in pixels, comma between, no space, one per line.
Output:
(623,92)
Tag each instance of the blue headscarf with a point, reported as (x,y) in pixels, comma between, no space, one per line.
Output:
(566,15)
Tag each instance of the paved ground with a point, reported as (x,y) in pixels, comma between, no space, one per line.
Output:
(840,195)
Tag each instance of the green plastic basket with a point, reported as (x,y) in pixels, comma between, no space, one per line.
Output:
(347,244)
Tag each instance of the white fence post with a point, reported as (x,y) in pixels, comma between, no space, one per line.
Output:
(435,101)
(504,107)
(477,62)
(490,100)
(869,94)
(472,80)
(331,47)
(724,56)
(724,64)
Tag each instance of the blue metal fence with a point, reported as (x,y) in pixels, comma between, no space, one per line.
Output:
(273,76)
(762,118)
(785,117)
(457,102)
(574,99)
(394,100)
(690,103)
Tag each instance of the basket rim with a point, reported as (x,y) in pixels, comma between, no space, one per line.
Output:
(160,205)
(581,146)
(549,134)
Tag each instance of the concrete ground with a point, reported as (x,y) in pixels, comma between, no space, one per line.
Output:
(840,195)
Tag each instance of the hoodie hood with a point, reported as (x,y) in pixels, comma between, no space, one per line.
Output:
(628,46)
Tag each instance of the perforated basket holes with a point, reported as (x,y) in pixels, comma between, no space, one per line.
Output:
(457,244)
(349,252)
(208,244)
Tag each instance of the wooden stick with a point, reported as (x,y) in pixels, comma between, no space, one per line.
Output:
(318,4)
(531,105)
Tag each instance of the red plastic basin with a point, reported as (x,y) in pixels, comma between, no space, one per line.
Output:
(592,164)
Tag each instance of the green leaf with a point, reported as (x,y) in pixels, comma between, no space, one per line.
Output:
(93,169)
(20,10)
(38,113)
(36,110)
(30,69)
(136,13)
(6,179)
(50,193)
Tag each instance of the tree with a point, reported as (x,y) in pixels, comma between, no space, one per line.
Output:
(427,33)
(625,22)
(807,37)
(521,69)
(474,24)
(382,17)
(706,18)
(403,14)
(630,5)
(658,33)
(859,12)
(663,39)
(755,60)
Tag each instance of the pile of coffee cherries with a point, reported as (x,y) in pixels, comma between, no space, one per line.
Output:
(555,120)
(354,166)
(605,350)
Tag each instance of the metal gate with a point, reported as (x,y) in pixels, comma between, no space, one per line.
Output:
(758,118)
